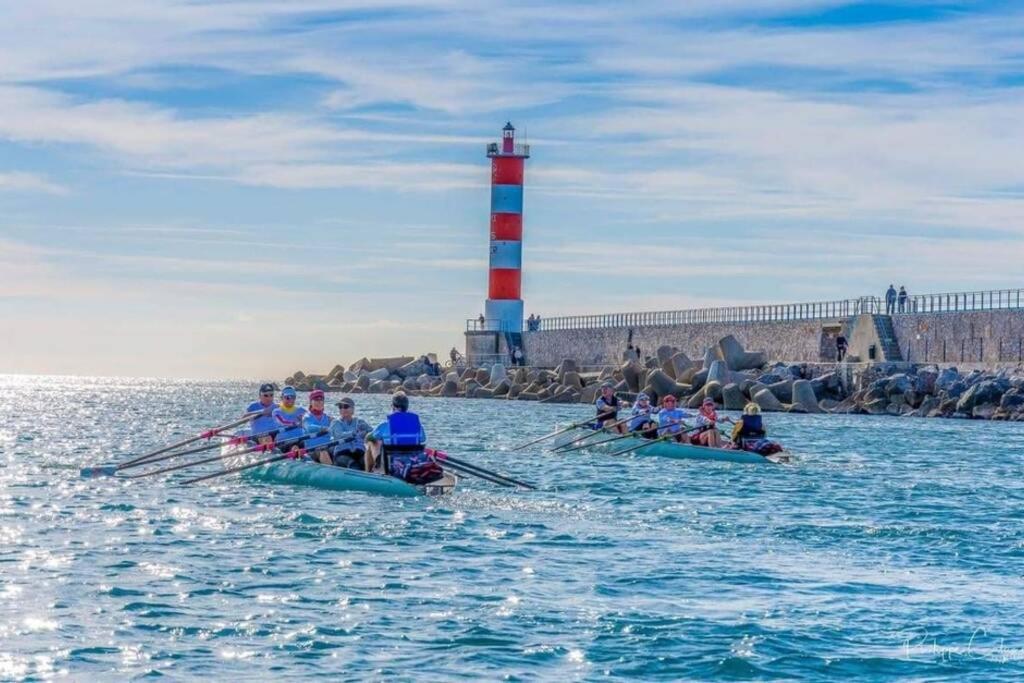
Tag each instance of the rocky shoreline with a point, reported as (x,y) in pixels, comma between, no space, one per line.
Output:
(727,373)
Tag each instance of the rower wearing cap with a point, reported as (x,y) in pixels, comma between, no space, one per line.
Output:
(707,420)
(400,443)
(264,425)
(317,423)
(350,433)
(608,408)
(642,416)
(670,418)
(289,420)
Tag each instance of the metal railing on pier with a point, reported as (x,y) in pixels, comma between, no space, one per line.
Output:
(963,301)
(814,310)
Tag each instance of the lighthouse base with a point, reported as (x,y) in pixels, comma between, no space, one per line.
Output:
(504,315)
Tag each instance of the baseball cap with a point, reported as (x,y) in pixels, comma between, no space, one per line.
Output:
(267,388)
(316,395)
(346,403)
(288,392)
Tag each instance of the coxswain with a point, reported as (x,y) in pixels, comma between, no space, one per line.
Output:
(670,418)
(400,442)
(317,424)
(707,421)
(263,426)
(642,417)
(350,433)
(608,408)
(289,420)
(750,426)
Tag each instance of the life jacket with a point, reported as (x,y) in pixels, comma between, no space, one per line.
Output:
(612,410)
(405,453)
(404,433)
(752,427)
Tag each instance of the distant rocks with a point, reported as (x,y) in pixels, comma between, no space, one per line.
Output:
(727,373)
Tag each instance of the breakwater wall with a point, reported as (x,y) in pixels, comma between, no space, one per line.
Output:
(798,340)
(986,338)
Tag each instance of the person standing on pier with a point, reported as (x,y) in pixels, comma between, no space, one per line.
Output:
(841,346)
(902,298)
(890,300)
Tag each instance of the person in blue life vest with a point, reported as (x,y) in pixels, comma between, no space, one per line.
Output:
(607,405)
(263,426)
(350,433)
(670,418)
(399,444)
(317,424)
(289,420)
(750,425)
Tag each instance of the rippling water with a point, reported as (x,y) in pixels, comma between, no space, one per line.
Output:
(891,548)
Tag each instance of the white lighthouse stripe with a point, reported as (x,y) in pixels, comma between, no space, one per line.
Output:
(506,198)
(506,254)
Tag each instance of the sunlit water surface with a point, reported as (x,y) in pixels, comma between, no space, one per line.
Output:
(891,548)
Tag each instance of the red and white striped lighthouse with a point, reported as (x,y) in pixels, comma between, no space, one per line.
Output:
(504,307)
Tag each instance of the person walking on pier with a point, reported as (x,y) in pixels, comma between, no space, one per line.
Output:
(890,300)
(902,298)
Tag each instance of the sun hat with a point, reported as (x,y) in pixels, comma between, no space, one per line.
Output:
(752,409)
(346,403)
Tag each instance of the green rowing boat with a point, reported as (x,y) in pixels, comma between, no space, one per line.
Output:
(665,449)
(305,473)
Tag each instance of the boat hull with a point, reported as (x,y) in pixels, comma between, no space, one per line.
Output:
(331,478)
(666,449)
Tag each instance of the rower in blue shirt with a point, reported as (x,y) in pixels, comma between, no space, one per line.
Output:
(264,426)
(317,424)
(670,418)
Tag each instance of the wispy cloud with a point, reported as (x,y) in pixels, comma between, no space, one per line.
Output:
(20,181)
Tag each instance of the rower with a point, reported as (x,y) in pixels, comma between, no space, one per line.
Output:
(317,423)
(642,417)
(289,421)
(350,433)
(400,444)
(750,427)
(608,408)
(670,418)
(264,425)
(707,420)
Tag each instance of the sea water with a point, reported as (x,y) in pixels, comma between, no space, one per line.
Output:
(889,548)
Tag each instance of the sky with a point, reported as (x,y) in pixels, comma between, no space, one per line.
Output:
(241,189)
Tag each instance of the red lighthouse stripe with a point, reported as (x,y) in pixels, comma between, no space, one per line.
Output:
(507,171)
(504,283)
(507,226)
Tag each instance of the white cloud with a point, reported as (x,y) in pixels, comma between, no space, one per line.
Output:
(20,181)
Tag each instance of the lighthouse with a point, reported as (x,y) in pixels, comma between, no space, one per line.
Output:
(504,307)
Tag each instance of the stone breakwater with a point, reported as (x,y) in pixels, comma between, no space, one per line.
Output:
(727,373)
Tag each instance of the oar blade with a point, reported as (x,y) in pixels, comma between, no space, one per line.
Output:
(98,471)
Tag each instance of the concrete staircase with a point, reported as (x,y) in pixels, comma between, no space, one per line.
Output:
(512,341)
(887,336)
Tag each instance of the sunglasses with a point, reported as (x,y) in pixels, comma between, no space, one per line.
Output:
(267,395)
(287,398)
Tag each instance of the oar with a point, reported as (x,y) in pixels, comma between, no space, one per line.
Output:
(233,470)
(660,438)
(444,457)
(109,470)
(553,434)
(479,475)
(602,430)
(594,443)
(263,447)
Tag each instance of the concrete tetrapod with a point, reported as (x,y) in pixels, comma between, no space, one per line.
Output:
(736,357)
(804,399)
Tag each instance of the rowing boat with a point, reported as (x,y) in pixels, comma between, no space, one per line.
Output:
(331,478)
(666,449)
(305,473)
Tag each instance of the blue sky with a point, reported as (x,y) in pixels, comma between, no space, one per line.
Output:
(241,189)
